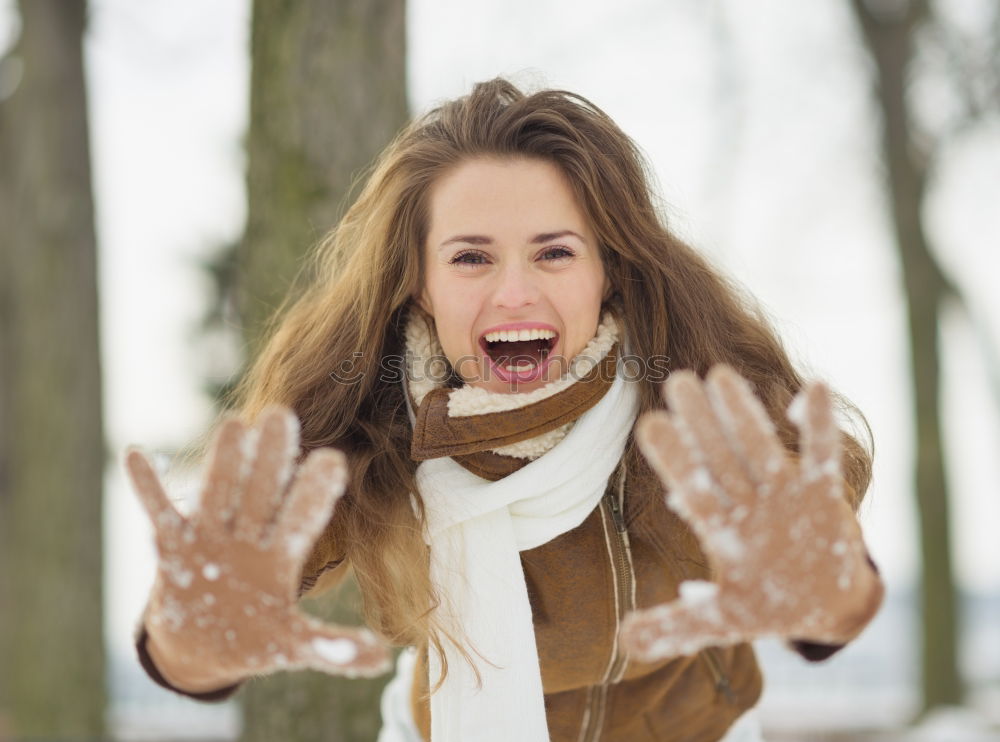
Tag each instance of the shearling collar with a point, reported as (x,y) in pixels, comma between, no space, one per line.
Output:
(490,433)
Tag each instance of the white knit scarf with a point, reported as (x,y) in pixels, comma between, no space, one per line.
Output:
(475,529)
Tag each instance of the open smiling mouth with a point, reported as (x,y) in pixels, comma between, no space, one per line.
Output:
(519,360)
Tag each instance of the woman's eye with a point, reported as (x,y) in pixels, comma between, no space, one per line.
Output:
(473,257)
(469,258)
(557,253)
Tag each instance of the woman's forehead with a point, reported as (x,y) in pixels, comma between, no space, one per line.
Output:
(509,199)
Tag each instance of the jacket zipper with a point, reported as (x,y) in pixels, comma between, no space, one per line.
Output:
(626,577)
(623,573)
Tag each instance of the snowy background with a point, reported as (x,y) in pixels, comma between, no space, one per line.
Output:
(758,121)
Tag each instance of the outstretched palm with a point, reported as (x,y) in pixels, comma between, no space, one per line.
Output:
(227,581)
(785,548)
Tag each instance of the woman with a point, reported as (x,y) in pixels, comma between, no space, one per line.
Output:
(488,321)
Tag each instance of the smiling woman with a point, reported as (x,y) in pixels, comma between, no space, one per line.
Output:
(516,293)
(564,559)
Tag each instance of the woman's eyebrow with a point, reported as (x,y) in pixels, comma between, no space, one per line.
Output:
(547,236)
(478,239)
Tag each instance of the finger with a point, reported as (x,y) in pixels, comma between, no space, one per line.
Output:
(220,496)
(753,431)
(270,472)
(682,627)
(692,493)
(343,650)
(320,483)
(696,419)
(812,413)
(167,522)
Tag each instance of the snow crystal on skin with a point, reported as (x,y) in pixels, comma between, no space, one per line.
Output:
(230,635)
(210,572)
(775,594)
(178,575)
(694,592)
(174,615)
(249,610)
(839,548)
(727,542)
(296,545)
(248,449)
(679,505)
(336,651)
(829,468)
(797,410)
(687,436)
(208,599)
(700,479)
(698,596)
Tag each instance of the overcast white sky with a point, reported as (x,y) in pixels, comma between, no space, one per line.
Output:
(760,131)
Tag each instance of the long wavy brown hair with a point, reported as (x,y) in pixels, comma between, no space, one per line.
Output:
(365,274)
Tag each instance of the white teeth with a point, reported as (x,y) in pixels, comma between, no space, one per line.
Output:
(512,335)
(520,367)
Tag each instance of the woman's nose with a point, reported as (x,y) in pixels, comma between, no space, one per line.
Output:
(515,288)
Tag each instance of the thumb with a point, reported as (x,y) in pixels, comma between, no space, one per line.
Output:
(350,651)
(682,627)
(168,524)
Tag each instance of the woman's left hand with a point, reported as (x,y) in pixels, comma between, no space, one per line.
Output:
(786,550)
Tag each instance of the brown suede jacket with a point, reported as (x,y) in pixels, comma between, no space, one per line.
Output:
(581,585)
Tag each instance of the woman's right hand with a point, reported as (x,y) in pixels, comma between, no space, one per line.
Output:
(223,606)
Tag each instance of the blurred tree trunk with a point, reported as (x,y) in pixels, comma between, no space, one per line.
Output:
(328,92)
(889,30)
(52,449)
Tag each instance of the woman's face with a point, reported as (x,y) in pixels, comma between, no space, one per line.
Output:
(509,249)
